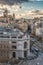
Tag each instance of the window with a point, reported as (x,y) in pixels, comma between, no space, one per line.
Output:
(25,53)
(7,46)
(1,45)
(25,45)
(4,46)
(4,36)
(4,53)
(1,36)
(13,41)
(40,25)
(1,32)
(14,54)
(20,37)
(1,53)
(14,47)
(13,37)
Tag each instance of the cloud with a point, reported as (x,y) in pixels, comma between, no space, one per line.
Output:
(30,14)
(21,13)
(38,12)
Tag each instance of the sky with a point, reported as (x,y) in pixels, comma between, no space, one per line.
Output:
(26,9)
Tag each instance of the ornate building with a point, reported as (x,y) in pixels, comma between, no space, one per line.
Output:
(13,44)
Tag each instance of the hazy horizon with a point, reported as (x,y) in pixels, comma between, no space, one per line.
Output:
(26,9)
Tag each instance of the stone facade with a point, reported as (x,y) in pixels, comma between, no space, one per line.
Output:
(16,45)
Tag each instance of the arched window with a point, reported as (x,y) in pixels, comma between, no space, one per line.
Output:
(25,44)
(25,53)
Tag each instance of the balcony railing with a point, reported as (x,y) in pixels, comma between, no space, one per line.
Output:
(4,49)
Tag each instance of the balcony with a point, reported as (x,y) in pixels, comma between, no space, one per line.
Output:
(4,49)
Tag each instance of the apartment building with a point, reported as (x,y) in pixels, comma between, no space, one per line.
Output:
(39,27)
(13,44)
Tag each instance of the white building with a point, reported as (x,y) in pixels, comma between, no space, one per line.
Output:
(39,28)
(14,44)
(21,44)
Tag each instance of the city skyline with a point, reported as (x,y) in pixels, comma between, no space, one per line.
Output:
(26,9)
